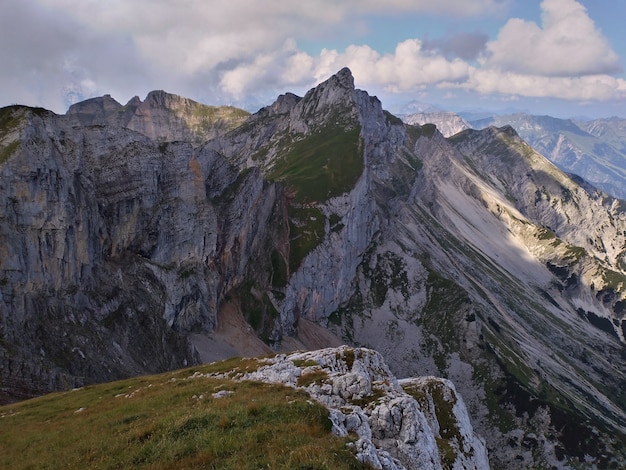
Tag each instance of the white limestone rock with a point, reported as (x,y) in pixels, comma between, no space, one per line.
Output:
(419,423)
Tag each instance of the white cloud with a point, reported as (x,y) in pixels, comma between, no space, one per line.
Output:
(409,68)
(217,52)
(200,35)
(566,44)
(599,87)
(565,57)
(282,68)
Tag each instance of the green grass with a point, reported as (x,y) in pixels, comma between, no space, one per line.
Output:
(7,151)
(203,119)
(613,279)
(544,233)
(10,118)
(429,130)
(257,308)
(322,165)
(306,232)
(173,421)
(280,274)
(449,432)
(445,302)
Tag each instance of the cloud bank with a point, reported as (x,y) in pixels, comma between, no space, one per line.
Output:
(62,51)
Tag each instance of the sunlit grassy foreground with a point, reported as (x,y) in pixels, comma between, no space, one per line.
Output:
(173,421)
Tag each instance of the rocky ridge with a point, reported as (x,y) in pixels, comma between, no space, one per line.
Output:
(594,150)
(161,116)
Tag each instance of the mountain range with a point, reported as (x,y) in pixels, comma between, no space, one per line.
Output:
(594,150)
(158,234)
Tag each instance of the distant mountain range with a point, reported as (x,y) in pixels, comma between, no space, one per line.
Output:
(594,150)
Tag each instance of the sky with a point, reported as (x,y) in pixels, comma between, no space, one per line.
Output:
(565,58)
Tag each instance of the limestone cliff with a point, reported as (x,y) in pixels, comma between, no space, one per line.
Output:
(161,116)
(114,247)
(447,123)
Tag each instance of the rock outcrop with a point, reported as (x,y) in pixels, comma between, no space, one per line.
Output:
(161,116)
(419,423)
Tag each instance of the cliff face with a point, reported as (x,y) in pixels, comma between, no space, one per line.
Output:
(470,257)
(447,123)
(114,246)
(161,116)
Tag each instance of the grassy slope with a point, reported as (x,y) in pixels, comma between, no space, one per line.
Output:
(172,421)
(323,165)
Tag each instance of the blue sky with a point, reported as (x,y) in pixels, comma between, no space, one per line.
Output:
(560,57)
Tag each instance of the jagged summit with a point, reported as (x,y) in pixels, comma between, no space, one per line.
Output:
(342,79)
(162,116)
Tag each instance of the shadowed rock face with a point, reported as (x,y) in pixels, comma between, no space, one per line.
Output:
(115,246)
(470,257)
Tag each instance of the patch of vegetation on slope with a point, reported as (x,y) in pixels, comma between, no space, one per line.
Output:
(10,119)
(8,150)
(257,308)
(449,432)
(173,420)
(306,232)
(439,317)
(324,164)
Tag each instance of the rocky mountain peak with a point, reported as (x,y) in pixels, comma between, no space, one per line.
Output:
(470,257)
(343,78)
(334,96)
(94,110)
(284,104)
(161,116)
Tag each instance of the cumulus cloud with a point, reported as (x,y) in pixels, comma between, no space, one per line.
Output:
(587,88)
(52,60)
(285,67)
(409,68)
(62,51)
(567,43)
